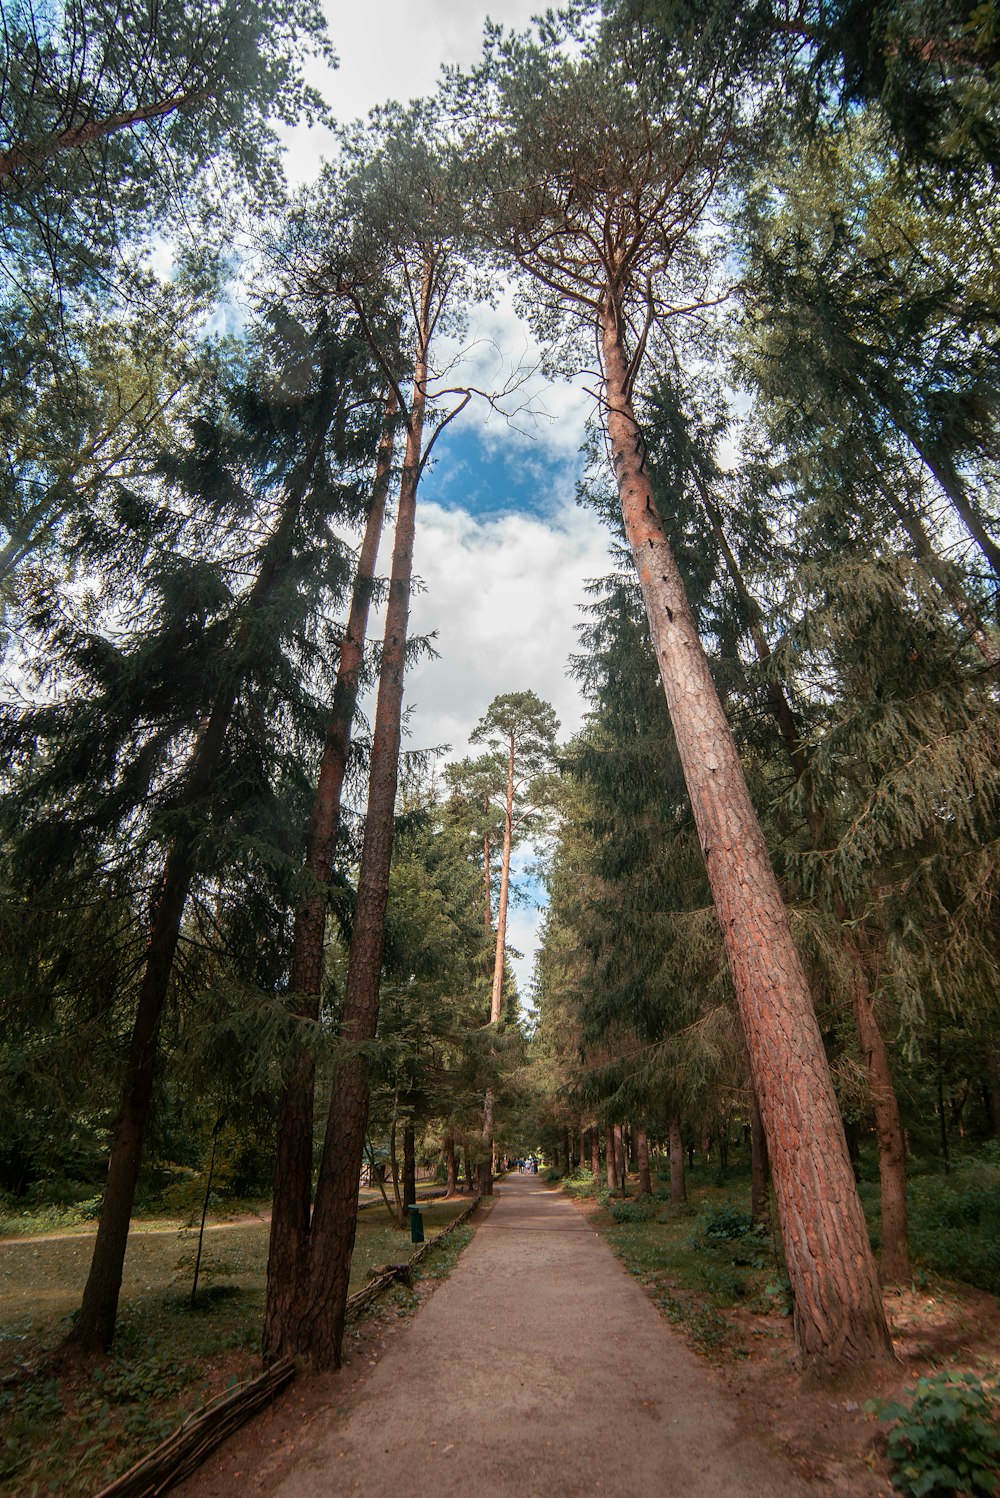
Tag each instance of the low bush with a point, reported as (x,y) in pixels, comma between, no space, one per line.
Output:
(945,1441)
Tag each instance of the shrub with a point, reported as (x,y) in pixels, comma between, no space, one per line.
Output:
(641,1209)
(946,1441)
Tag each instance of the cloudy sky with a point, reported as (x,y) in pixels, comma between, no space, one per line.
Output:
(502,552)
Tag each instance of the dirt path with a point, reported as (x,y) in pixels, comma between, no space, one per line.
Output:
(540,1370)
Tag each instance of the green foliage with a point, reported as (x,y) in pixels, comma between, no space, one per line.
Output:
(642,1209)
(945,1440)
(955,1224)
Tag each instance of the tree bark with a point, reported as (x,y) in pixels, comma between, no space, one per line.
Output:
(894,1266)
(595,1153)
(321,1306)
(678,1188)
(839,1319)
(496,1001)
(95,1326)
(451,1165)
(610,1161)
(288,1252)
(642,1153)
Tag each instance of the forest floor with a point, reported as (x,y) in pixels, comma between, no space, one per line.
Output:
(539,1370)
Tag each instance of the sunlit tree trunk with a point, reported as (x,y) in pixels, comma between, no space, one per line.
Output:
(839,1319)
(894,1265)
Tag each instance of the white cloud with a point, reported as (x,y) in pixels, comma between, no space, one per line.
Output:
(392,49)
(503,595)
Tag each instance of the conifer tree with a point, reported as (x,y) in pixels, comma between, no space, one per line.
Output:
(602,219)
(272,442)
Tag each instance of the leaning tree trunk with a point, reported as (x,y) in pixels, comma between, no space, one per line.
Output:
(839,1318)
(318,1317)
(288,1253)
(95,1326)
(894,1265)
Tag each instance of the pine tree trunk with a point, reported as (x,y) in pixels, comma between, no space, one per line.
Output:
(678,1189)
(485,1169)
(839,1319)
(760,1196)
(496,1002)
(451,1165)
(95,1326)
(895,1261)
(595,1153)
(469,1178)
(610,1159)
(288,1252)
(321,1305)
(487,878)
(642,1151)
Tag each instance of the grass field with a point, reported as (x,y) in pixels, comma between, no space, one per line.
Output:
(70,1434)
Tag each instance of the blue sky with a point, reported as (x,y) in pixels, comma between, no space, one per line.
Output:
(492,476)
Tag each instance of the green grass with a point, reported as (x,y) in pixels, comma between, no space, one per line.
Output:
(699,1259)
(70,1435)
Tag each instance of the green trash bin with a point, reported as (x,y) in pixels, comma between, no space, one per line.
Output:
(416,1224)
